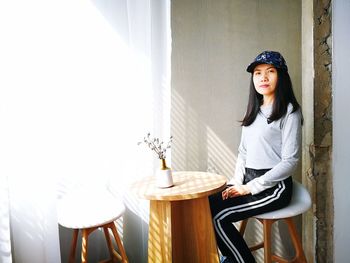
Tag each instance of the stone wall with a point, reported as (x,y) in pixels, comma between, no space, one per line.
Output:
(321,151)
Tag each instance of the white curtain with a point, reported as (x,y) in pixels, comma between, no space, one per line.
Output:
(5,242)
(81,83)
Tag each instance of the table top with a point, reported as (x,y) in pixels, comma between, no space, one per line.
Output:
(187,185)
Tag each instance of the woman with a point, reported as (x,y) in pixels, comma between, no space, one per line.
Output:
(267,155)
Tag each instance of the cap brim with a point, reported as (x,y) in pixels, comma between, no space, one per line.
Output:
(252,66)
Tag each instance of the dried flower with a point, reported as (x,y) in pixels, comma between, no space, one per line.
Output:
(157,145)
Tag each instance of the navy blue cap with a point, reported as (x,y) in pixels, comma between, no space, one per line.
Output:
(268,57)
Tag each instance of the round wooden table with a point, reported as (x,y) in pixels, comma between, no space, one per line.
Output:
(180,225)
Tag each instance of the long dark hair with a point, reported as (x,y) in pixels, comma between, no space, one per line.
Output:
(283,96)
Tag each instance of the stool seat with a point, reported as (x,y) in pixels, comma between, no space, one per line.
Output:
(300,203)
(86,208)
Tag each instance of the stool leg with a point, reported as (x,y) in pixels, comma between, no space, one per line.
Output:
(243,226)
(109,242)
(299,252)
(73,246)
(119,243)
(267,240)
(84,246)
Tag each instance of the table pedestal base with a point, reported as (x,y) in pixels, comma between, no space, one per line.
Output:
(181,231)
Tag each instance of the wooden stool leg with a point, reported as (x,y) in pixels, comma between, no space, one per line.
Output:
(84,246)
(267,240)
(109,242)
(73,246)
(299,252)
(243,226)
(119,243)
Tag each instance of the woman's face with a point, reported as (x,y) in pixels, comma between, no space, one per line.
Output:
(265,79)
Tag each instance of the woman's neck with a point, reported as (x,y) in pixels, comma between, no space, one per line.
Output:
(268,100)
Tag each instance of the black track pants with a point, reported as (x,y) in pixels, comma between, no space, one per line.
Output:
(225,212)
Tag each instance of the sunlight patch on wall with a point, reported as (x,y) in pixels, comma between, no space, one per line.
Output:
(185,129)
(196,145)
(220,158)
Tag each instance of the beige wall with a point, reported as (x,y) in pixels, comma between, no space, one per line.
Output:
(212,43)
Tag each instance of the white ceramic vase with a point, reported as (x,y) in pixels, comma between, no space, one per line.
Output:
(164,177)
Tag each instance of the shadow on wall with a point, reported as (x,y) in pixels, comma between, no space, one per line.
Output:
(196,145)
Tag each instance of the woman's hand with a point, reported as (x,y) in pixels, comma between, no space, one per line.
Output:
(235,190)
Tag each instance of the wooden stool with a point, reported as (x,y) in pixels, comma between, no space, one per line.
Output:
(299,204)
(87,211)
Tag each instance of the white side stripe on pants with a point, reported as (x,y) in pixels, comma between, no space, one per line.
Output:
(244,207)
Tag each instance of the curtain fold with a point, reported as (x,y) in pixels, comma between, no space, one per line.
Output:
(83,82)
(5,241)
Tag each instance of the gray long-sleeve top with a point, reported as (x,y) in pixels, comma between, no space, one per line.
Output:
(264,146)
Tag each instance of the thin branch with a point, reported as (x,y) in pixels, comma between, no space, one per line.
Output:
(156,145)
